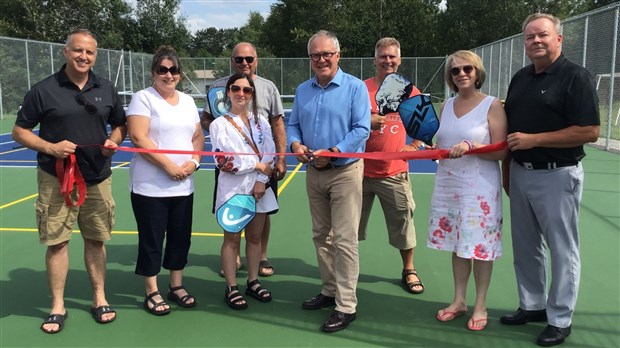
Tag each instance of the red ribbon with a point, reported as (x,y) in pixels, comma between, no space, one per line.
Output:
(69,174)
(406,155)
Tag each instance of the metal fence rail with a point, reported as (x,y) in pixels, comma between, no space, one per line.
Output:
(590,39)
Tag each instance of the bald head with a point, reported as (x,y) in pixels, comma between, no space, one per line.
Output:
(244,59)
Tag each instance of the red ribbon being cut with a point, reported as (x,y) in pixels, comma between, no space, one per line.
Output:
(406,155)
(69,174)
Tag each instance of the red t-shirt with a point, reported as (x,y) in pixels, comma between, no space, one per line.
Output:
(390,137)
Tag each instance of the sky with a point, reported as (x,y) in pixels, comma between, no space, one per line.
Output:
(222,14)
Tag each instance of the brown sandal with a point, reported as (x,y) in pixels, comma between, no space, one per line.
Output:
(410,286)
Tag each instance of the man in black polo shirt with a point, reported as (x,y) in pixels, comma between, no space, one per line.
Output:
(552,110)
(72,108)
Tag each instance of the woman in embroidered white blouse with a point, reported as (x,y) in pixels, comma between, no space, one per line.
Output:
(243,130)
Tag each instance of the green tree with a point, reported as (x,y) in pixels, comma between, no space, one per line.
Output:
(51,21)
(157,24)
(212,42)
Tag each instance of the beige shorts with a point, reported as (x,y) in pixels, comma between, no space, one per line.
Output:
(396,199)
(55,220)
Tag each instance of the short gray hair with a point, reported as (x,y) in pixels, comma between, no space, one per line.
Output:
(81,32)
(327,34)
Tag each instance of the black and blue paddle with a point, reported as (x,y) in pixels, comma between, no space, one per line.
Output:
(216,97)
(419,118)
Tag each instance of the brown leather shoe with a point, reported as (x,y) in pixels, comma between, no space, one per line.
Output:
(338,321)
(319,301)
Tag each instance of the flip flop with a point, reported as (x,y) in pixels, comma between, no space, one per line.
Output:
(100,311)
(471,324)
(449,315)
(55,319)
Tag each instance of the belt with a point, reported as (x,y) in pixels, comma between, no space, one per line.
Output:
(332,166)
(546,165)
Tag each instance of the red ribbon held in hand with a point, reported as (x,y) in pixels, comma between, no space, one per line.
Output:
(69,174)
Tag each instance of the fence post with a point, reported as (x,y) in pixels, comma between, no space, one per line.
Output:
(612,79)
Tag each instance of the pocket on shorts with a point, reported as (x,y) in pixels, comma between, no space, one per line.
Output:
(42,213)
(112,214)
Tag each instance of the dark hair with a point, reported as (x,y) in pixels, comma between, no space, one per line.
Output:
(165,52)
(238,76)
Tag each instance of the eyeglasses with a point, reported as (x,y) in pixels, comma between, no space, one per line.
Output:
(88,106)
(317,56)
(162,70)
(467,69)
(246,90)
(240,60)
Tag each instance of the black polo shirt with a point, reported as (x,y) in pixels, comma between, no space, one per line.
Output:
(56,105)
(563,95)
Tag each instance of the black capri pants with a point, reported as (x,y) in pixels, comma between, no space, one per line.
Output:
(159,217)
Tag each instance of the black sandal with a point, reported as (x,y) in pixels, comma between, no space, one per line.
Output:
(153,310)
(409,286)
(266,269)
(233,298)
(58,319)
(181,301)
(258,292)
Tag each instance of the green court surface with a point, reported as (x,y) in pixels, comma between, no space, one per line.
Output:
(387,315)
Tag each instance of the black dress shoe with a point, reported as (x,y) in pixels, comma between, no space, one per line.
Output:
(521,316)
(552,335)
(338,321)
(319,301)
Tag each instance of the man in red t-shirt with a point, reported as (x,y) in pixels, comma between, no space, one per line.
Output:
(389,179)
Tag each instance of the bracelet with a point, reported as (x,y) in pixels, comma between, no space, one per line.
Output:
(196,163)
(470,145)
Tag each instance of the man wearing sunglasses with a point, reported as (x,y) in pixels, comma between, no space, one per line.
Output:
(245,60)
(72,108)
(331,114)
(552,110)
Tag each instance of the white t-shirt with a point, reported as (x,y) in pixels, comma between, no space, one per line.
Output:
(172,128)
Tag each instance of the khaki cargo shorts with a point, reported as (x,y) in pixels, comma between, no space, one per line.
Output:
(55,220)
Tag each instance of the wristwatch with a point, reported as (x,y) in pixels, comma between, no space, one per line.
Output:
(196,163)
(333,158)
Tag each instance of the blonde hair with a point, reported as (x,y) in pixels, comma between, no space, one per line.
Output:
(471,58)
(555,20)
(387,42)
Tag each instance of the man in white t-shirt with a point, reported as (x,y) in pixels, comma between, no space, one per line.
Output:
(245,60)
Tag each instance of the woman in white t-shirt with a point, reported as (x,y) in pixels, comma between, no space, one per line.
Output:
(244,131)
(162,185)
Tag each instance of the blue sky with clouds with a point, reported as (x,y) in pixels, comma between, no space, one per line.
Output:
(201,14)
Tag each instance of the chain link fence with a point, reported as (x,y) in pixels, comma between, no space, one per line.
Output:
(590,39)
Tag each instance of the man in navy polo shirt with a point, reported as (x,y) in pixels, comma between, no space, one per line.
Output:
(552,110)
(72,108)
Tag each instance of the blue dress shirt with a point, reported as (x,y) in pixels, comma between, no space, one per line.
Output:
(335,115)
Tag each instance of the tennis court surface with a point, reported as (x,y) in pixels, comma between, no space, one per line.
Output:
(387,315)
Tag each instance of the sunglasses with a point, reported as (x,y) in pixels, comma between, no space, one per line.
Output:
(317,56)
(162,70)
(88,106)
(240,60)
(246,90)
(467,69)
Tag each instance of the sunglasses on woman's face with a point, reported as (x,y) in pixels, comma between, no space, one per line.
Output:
(246,90)
(162,70)
(457,70)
